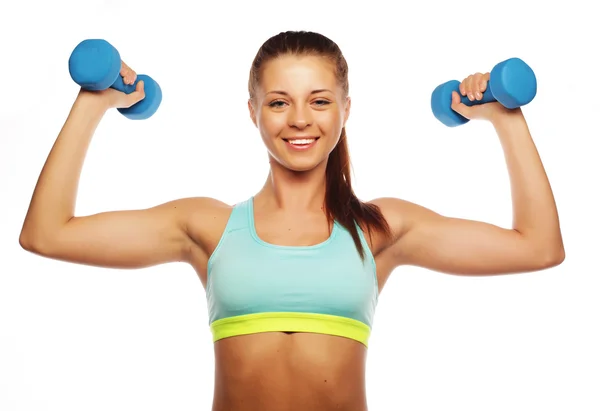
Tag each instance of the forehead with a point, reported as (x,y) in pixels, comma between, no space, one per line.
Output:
(297,73)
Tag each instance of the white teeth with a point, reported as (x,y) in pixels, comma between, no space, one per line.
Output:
(303,141)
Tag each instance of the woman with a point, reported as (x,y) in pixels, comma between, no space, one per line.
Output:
(293,274)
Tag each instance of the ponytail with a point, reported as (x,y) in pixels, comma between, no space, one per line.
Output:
(341,203)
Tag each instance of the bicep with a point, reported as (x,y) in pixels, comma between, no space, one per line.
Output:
(460,246)
(121,239)
(427,239)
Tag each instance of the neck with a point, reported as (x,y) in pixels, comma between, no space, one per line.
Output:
(290,190)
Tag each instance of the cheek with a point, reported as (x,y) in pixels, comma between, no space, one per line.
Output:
(330,123)
(334,120)
(271,125)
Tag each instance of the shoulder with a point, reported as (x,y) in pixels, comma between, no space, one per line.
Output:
(401,216)
(199,216)
(203,219)
(397,209)
(199,205)
(397,212)
(201,213)
(193,203)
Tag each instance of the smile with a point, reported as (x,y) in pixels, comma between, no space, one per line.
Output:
(301,144)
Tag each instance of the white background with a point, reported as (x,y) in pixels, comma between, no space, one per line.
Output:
(74,337)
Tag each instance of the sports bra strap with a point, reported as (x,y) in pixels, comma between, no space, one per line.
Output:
(238,218)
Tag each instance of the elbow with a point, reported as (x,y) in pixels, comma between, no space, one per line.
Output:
(27,242)
(543,252)
(41,240)
(551,257)
(559,257)
(32,242)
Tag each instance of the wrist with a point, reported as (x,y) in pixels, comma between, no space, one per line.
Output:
(510,125)
(506,116)
(92,102)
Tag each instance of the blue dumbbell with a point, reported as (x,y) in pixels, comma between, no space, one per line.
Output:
(512,84)
(95,65)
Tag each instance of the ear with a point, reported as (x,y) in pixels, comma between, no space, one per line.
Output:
(347,109)
(252,112)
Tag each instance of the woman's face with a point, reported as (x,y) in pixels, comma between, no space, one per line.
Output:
(300,110)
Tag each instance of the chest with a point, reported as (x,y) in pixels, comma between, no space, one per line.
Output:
(249,275)
(290,230)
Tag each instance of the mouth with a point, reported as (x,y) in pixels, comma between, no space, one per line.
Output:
(301,144)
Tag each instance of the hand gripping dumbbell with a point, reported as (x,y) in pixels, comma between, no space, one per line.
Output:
(512,83)
(95,65)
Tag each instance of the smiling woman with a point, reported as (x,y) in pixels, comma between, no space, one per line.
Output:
(294,273)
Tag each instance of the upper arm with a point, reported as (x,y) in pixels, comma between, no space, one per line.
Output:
(124,239)
(424,238)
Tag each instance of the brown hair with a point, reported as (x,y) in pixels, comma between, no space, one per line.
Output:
(341,204)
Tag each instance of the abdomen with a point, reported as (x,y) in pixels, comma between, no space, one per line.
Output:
(277,372)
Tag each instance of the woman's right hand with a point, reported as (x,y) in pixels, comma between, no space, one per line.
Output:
(112,98)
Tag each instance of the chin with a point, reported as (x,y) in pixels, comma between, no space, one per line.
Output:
(298,164)
(301,165)
(301,161)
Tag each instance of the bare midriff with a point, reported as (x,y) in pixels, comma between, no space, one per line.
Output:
(276,371)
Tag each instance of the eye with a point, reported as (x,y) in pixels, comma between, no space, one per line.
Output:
(276,104)
(279,103)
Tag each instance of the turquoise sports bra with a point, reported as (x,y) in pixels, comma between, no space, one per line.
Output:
(254,286)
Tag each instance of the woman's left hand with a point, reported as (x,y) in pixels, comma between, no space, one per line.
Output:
(473,87)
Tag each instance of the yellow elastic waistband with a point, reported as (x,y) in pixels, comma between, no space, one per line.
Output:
(293,322)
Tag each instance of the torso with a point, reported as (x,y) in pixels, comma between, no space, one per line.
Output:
(284,371)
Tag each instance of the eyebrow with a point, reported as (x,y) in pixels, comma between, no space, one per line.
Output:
(287,94)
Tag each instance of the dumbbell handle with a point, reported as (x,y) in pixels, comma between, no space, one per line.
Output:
(125,88)
(487,97)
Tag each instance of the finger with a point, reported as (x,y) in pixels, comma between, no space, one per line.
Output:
(129,77)
(461,87)
(459,107)
(477,80)
(132,77)
(469,88)
(124,69)
(483,82)
(137,95)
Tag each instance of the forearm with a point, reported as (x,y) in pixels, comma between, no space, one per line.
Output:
(534,209)
(53,200)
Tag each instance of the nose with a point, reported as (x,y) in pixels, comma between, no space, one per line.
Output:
(300,117)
